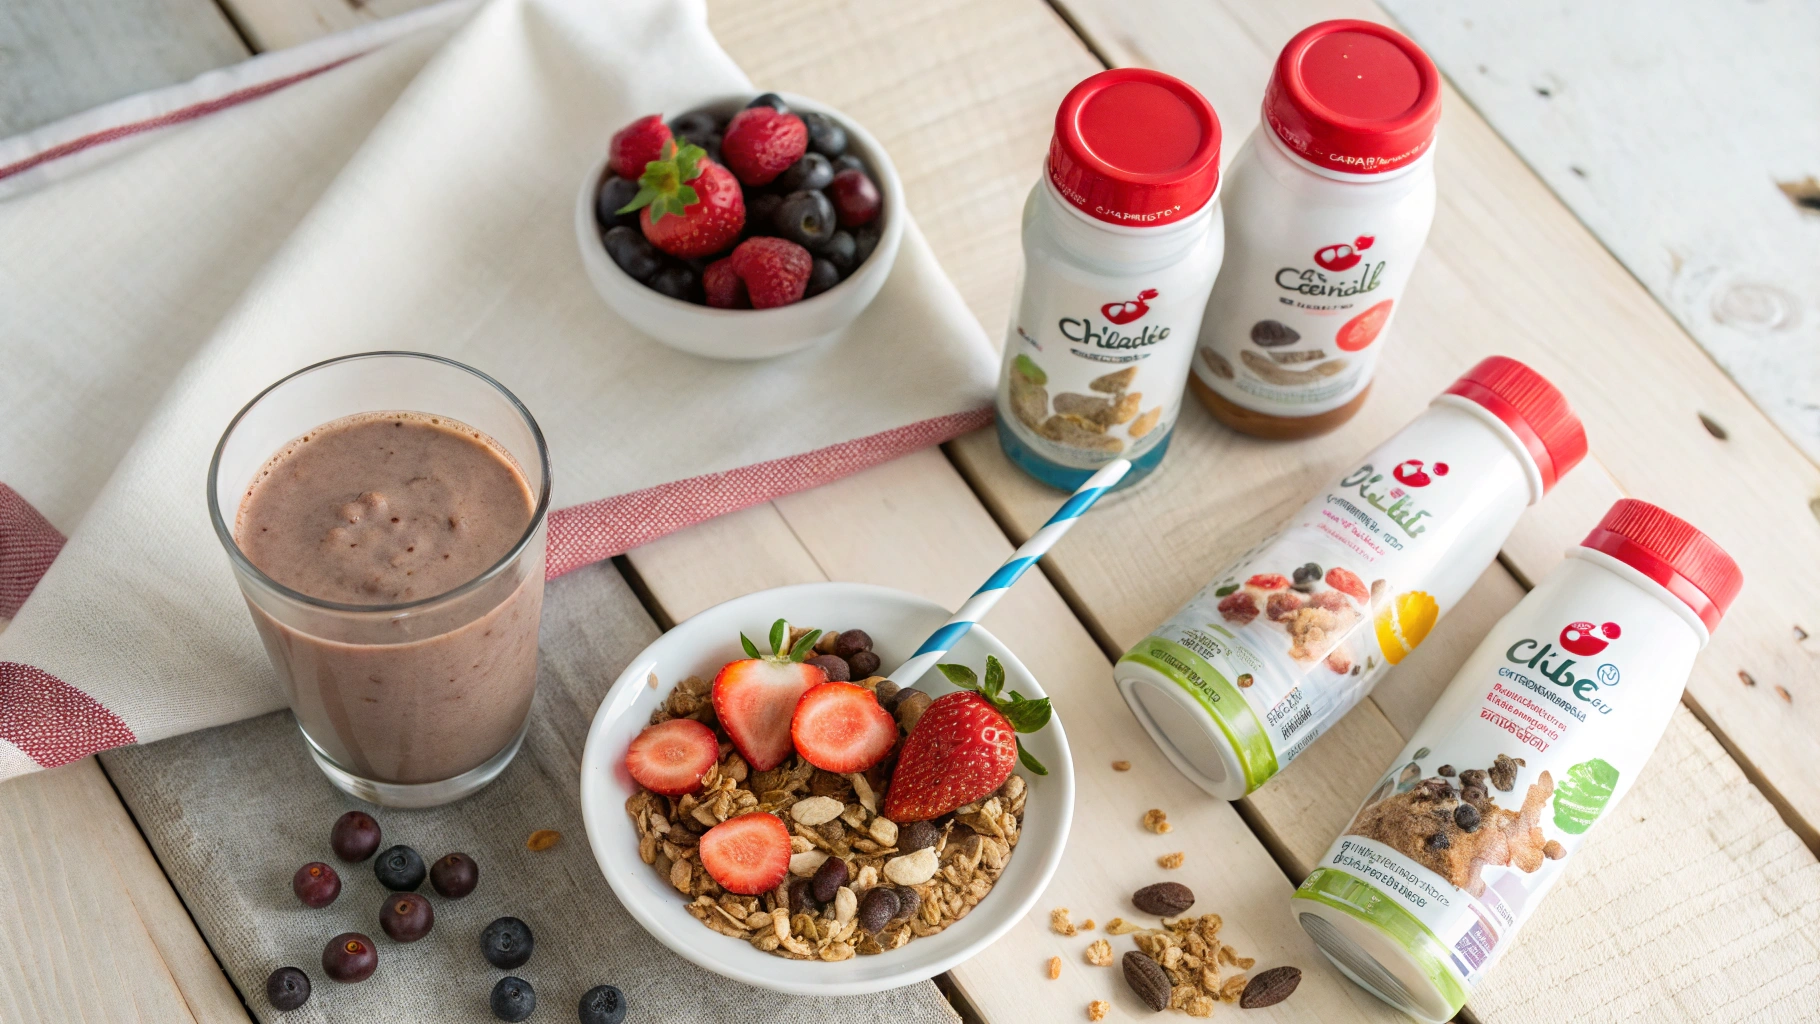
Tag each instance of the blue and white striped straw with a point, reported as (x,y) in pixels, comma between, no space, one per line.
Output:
(1020,561)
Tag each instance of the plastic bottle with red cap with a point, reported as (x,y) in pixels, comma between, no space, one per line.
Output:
(1281,645)
(1532,744)
(1328,205)
(1122,240)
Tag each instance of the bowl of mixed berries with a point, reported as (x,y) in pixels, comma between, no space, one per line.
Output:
(781,814)
(743,229)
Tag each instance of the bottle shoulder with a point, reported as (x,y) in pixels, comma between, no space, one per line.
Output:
(1262,175)
(1055,235)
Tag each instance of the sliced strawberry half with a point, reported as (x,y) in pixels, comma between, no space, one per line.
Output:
(671,757)
(755,697)
(747,855)
(839,727)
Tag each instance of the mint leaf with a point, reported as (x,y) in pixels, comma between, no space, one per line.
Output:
(751,648)
(1024,758)
(804,645)
(1027,715)
(779,630)
(961,676)
(995,678)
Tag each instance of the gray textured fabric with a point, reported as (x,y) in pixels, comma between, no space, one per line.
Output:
(232,812)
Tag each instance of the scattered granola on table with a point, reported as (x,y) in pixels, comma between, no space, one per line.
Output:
(783,839)
(1099,953)
(1059,923)
(1121,766)
(1171,860)
(1098,1009)
(1156,821)
(1055,967)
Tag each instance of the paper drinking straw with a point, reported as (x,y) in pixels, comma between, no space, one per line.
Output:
(1021,560)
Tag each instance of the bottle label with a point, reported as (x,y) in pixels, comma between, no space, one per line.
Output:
(1539,735)
(1094,367)
(1288,639)
(1294,329)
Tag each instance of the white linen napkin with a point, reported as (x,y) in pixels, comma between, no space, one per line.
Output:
(408,185)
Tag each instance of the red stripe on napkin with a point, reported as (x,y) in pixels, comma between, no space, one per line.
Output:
(28,544)
(52,721)
(584,534)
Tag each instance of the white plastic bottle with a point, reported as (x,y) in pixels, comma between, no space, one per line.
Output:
(1328,204)
(1122,239)
(1537,738)
(1278,648)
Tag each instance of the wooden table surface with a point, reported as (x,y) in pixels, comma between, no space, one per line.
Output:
(1700,901)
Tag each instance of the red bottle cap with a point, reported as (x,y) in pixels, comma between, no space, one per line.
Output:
(1532,408)
(1667,549)
(1354,96)
(1136,147)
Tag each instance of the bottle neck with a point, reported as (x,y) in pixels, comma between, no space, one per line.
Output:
(1093,241)
(1656,590)
(1531,474)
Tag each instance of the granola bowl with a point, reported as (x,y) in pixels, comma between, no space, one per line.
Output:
(1011,863)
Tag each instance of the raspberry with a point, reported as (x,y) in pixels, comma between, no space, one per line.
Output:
(760,143)
(775,270)
(725,289)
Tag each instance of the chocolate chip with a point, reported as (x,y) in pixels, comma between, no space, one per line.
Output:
(1164,899)
(915,836)
(833,666)
(909,901)
(1467,817)
(1446,769)
(1473,777)
(863,663)
(852,642)
(828,879)
(877,908)
(801,900)
(1270,987)
(1439,841)
(1148,979)
(1503,772)
(1273,334)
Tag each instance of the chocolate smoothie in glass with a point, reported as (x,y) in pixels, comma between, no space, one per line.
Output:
(392,558)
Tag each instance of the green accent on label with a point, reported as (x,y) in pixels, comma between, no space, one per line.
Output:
(1244,732)
(1360,899)
(1226,590)
(1583,794)
(1031,372)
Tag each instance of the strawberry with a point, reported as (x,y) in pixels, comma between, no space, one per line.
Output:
(1269,581)
(839,727)
(747,855)
(754,698)
(724,288)
(691,205)
(964,746)
(1347,582)
(670,758)
(760,143)
(776,270)
(636,145)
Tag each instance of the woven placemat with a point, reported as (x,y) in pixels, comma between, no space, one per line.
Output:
(232,812)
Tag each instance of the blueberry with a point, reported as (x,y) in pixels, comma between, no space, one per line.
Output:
(615,193)
(806,218)
(316,884)
(761,213)
(678,282)
(287,988)
(850,162)
(772,100)
(637,257)
(406,917)
(826,136)
(603,1004)
(864,240)
(513,999)
(841,251)
(354,837)
(822,276)
(506,943)
(813,171)
(455,875)
(399,869)
(349,958)
(696,127)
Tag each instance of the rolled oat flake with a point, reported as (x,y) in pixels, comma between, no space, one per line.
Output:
(1560,706)
(1284,643)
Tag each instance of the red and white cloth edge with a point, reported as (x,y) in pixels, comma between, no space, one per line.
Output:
(51,721)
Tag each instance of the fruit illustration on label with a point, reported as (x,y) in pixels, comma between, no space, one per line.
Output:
(1129,310)
(1410,472)
(1357,334)
(1273,333)
(1404,623)
(1030,371)
(1583,794)
(1342,256)
(1583,638)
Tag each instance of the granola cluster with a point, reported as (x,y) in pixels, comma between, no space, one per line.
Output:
(938,871)
(1190,952)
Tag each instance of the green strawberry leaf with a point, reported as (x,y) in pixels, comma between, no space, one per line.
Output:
(804,645)
(751,648)
(995,679)
(961,676)
(1027,715)
(779,630)
(661,185)
(1024,758)
(1583,794)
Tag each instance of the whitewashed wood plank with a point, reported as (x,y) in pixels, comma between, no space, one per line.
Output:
(60,57)
(1667,129)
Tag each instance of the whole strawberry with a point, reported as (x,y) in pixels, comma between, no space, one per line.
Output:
(636,145)
(776,270)
(964,746)
(691,205)
(760,143)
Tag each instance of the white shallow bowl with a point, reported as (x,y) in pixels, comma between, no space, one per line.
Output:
(898,623)
(745,334)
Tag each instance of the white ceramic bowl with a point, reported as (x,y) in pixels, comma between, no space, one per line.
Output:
(749,333)
(898,623)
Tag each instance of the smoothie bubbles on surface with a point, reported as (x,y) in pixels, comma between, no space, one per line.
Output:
(1122,239)
(1280,646)
(1538,737)
(1328,205)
